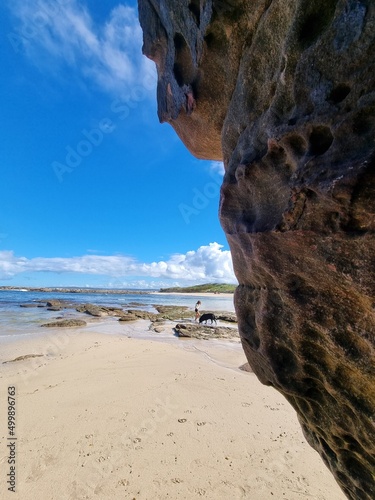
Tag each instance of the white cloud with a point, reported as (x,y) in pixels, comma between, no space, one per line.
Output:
(63,31)
(142,284)
(217,167)
(207,263)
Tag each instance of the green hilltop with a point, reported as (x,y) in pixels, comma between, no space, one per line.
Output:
(207,287)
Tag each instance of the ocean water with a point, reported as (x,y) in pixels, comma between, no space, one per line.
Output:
(16,320)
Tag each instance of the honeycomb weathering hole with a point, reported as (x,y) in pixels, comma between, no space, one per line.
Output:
(339,93)
(321,139)
(195,9)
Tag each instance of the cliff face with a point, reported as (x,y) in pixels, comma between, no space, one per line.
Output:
(284,92)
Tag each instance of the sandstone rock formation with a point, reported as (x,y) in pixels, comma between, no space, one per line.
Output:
(192,330)
(173,312)
(227,317)
(65,323)
(128,317)
(284,92)
(98,310)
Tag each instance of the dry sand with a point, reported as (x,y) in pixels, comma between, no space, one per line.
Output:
(103,416)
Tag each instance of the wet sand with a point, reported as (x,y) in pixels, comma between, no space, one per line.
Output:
(105,416)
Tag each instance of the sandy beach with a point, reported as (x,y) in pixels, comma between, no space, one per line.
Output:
(111,417)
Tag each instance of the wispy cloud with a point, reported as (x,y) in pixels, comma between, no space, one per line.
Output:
(143,284)
(207,263)
(217,167)
(65,32)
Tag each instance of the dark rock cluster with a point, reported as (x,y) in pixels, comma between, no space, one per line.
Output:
(191,330)
(65,323)
(159,321)
(284,93)
(99,311)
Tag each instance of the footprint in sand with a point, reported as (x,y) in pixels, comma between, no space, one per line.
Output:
(52,386)
(200,492)
(272,408)
(29,393)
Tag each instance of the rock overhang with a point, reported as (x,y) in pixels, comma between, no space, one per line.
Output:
(284,93)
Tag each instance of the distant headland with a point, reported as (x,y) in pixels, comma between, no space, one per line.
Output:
(205,288)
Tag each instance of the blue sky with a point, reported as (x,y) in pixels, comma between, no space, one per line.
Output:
(94,191)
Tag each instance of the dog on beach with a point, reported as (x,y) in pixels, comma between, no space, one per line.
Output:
(205,317)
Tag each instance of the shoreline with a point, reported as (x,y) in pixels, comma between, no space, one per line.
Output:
(109,291)
(195,294)
(74,290)
(101,414)
(27,316)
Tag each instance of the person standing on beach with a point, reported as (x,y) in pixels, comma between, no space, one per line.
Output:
(197,306)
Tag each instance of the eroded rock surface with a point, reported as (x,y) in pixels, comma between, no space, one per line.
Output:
(284,92)
(65,323)
(98,310)
(205,332)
